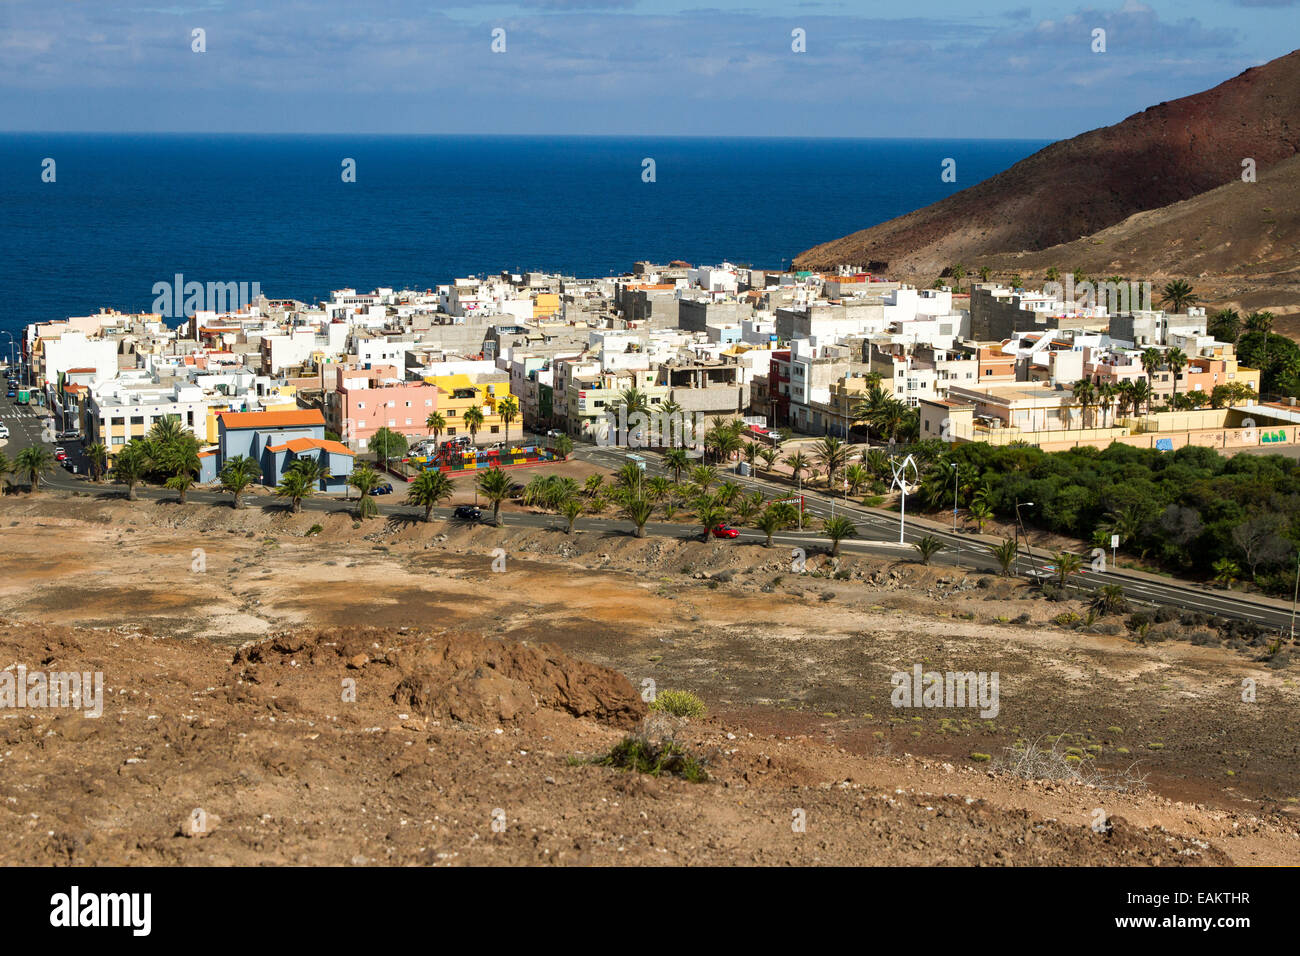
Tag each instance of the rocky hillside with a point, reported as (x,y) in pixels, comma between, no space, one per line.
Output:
(1166,154)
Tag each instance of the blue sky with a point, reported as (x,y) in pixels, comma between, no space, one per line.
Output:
(941,68)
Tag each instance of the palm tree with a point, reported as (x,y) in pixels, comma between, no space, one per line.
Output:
(751,450)
(508,409)
(1226,571)
(1151,361)
(677,460)
(365,479)
(1067,564)
(98,455)
(494,484)
(386,444)
(571,508)
(856,476)
(629,476)
(837,529)
(473,419)
(130,465)
(798,463)
(6,467)
(239,472)
(985,272)
(295,484)
(1177,360)
(980,512)
(1178,295)
(1005,554)
(769,456)
(1225,325)
(638,511)
(563,447)
(181,482)
(1127,522)
(1110,599)
(928,547)
(1053,274)
(704,476)
(1106,393)
(831,454)
(429,488)
(436,424)
(1084,391)
(591,487)
(32,462)
(658,488)
(710,514)
(748,505)
(770,521)
(1139,392)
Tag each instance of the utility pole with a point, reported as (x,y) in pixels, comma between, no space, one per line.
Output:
(954,496)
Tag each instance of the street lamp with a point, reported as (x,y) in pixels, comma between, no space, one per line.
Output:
(1019,526)
(953,464)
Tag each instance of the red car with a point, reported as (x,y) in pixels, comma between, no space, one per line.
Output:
(723,531)
(60,455)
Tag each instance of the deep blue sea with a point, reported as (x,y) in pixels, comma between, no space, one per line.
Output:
(126,211)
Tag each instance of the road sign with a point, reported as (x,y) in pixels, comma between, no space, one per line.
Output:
(1114,541)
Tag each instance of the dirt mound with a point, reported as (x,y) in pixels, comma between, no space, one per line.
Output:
(464,677)
(1163,155)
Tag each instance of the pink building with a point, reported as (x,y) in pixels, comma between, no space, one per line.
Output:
(367,399)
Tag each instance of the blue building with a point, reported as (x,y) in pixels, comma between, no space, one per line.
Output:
(275,440)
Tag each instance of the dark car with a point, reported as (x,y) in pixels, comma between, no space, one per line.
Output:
(468,513)
(725,531)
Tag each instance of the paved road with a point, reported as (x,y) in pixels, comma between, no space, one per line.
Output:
(969,552)
(878,530)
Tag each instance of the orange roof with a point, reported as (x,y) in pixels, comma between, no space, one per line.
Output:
(72,370)
(302,444)
(306,416)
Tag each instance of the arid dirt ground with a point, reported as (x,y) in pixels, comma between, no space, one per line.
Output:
(227,638)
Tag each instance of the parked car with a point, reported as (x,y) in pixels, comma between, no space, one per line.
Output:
(60,454)
(4,431)
(554,432)
(70,434)
(11,394)
(468,513)
(725,531)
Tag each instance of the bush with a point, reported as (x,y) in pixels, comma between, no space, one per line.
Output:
(314,529)
(679,703)
(643,756)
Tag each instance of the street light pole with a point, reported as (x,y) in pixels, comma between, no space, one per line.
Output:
(954,496)
(1296,596)
(1019,527)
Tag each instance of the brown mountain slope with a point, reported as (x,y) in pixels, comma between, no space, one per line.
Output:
(1240,234)
(1079,186)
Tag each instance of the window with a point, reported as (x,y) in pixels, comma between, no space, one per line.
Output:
(495,429)
(408,421)
(119,439)
(392,422)
(361,404)
(137,419)
(408,405)
(361,423)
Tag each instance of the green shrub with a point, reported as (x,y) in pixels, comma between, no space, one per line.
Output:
(980,758)
(642,756)
(314,529)
(679,703)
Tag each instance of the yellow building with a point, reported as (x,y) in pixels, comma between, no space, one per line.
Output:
(545,304)
(457,394)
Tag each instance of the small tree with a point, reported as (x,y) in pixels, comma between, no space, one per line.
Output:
(473,419)
(494,484)
(508,409)
(928,547)
(386,444)
(6,467)
(295,484)
(1005,554)
(770,521)
(98,455)
(837,529)
(237,475)
(31,463)
(429,488)
(638,510)
(571,509)
(365,479)
(129,467)
(563,447)
(980,512)
(1067,564)
(710,514)
(1110,599)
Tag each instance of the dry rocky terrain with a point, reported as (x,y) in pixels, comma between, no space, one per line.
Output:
(378,694)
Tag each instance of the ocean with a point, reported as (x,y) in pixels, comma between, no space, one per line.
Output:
(127,211)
